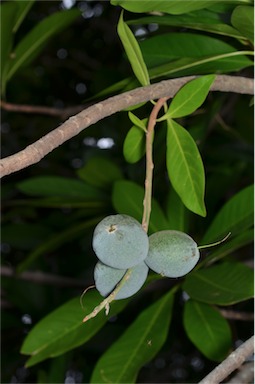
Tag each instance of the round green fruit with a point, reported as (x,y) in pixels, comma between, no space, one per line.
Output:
(172,253)
(119,241)
(106,279)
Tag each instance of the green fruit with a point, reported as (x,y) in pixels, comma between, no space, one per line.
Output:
(172,253)
(106,279)
(119,241)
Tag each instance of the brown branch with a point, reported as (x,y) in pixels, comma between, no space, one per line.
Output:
(244,375)
(41,110)
(43,278)
(75,124)
(231,363)
(235,315)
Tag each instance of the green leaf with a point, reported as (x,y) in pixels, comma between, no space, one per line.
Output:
(174,7)
(134,144)
(185,167)
(207,329)
(235,216)
(23,235)
(162,49)
(58,186)
(133,52)
(138,122)
(203,20)
(243,19)
(138,345)
(34,41)
(100,172)
(127,198)
(23,9)
(8,14)
(55,241)
(225,284)
(63,330)
(190,97)
(177,213)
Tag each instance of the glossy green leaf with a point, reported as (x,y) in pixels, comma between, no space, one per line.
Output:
(55,241)
(243,20)
(224,284)
(134,144)
(203,20)
(185,167)
(23,8)
(58,186)
(63,329)
(174,7)
(235,216)
(138,345)
(127,198)
(8,11)
(133,52)
(100,172)
(34,41)
(177,213)
(207,329)
(190,97)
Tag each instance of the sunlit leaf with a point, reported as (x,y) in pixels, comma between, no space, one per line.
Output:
(224,284)
(134,144)
(190,97)
(207,329)
(139,344)
(185,167)
(133,52)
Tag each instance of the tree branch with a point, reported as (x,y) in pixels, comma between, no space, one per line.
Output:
(75,124)
(231,363)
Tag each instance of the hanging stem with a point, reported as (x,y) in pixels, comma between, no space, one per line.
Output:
(149,162)
(105,304)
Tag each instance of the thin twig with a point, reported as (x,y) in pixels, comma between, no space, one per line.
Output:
(64,113)
(42,278)
(235,315)
(75,124)
(149,162)
(231,363)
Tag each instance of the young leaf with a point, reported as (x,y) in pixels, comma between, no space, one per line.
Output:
(133,52)
(190,97)
(63,329)
(138,122)
(34,41)
(138,345)
(235,216)
(100,172)
(224,284)
(204,323)
(134,145)
(127,198)
(243,19)
(185,167)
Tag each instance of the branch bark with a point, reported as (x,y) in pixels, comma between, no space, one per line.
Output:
(231,363)
(75,124)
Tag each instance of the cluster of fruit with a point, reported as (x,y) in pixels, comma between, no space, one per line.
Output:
(120,243)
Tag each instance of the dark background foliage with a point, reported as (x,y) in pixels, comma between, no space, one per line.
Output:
(74,65)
